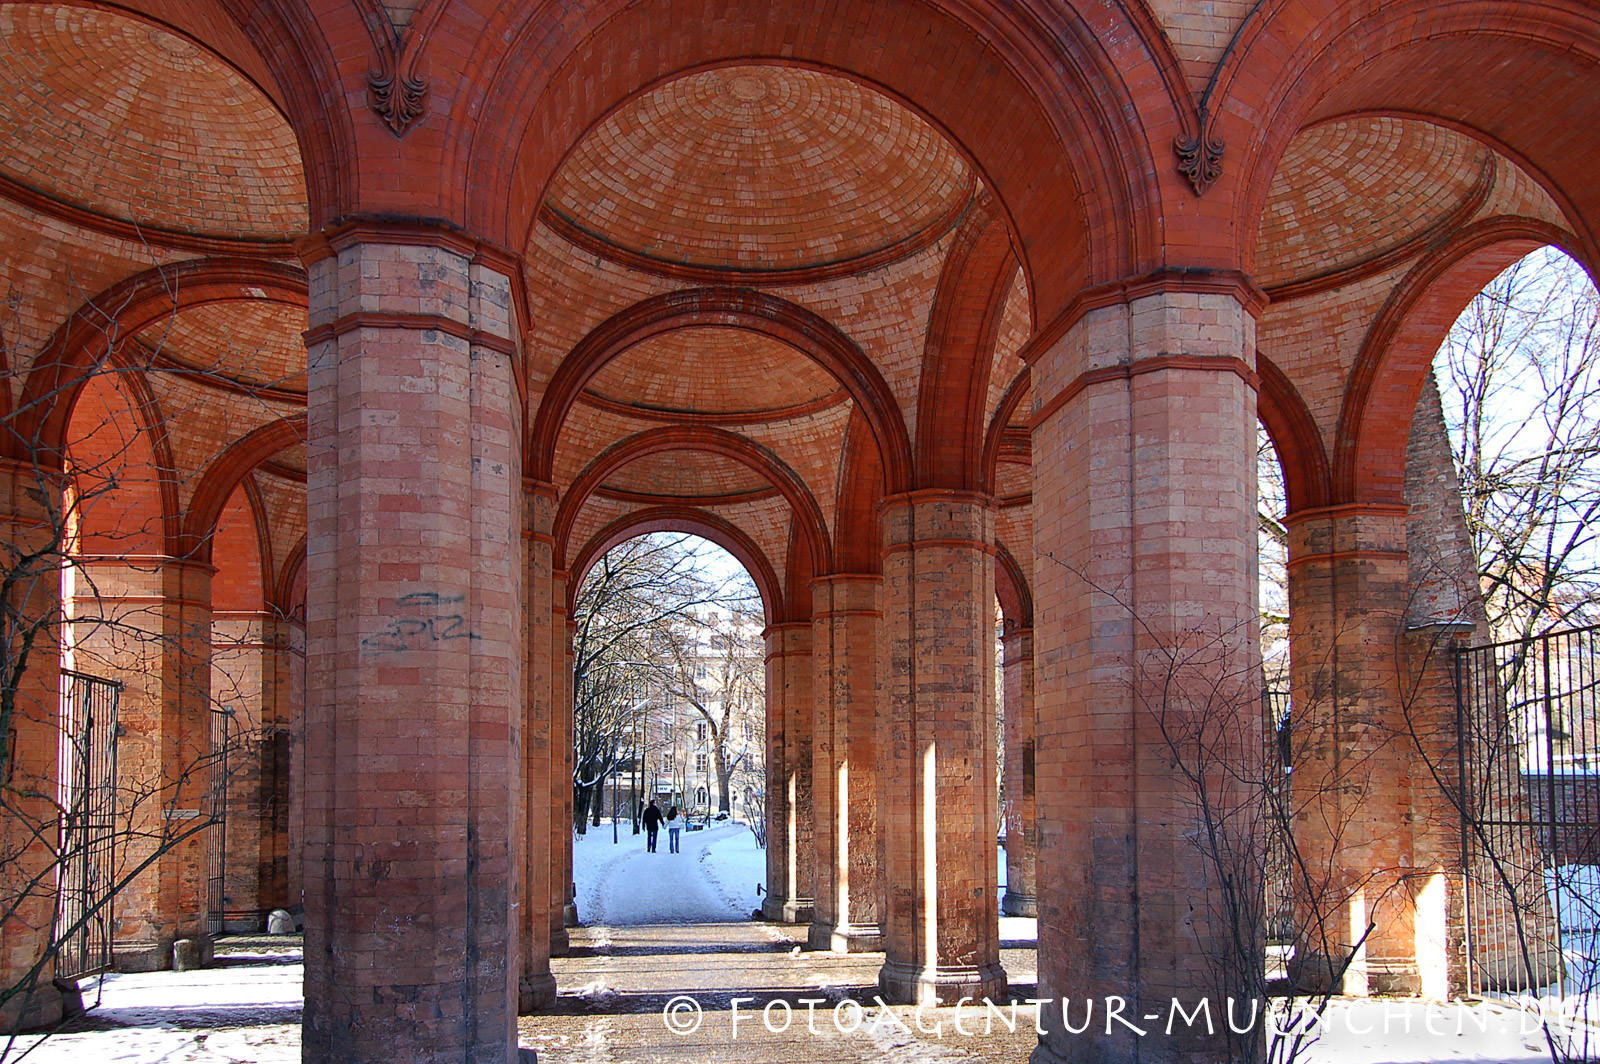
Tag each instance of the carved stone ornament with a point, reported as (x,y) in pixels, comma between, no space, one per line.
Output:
(400,99)
(1200,160)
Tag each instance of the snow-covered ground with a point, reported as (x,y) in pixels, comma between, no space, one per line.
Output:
(621,884)
(248,1009)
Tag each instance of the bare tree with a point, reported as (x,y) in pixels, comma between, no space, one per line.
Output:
(632,612)
(1520,380)
(717,670)
(74,840)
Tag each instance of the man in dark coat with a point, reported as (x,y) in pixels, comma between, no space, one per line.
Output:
(652,825)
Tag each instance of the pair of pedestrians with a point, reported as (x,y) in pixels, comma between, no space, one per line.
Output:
(652,824)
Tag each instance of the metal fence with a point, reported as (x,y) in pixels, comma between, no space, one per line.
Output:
(1528,715)
(88,794)
(222,738)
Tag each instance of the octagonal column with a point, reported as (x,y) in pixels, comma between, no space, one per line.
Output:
(1145,642)
(936,759)
(1017,673)
(415,651)
(791,850)
(846,623)
(541,753)
(32,730)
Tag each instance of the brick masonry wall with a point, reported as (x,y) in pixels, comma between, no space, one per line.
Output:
(1145,548)
(413,737)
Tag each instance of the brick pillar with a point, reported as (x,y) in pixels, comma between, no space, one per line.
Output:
(936,758)
(846,623)
(31,732)
(1145,547)
(188,772)
(1017,668)
(791,849)
(564,908)
(1367,813)
(296,630)
(415,653)
(541,754)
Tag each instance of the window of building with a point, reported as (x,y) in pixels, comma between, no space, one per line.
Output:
(699,762)
(700,731)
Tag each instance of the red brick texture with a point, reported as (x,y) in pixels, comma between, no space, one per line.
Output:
(791,847)
(936,754)
(414,752)
(846,626)
(1144,488)
(24,506)
(1021,896)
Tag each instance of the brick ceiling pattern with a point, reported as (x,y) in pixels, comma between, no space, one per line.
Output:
(136,123)
(760,168)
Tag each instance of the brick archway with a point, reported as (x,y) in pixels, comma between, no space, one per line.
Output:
(808,521)
(223,475)
(758,312)
(1359,59)
(1043,116)
(1374,422)
(689,519)
(122,310)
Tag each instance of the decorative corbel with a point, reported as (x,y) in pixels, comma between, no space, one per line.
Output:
(1200,157)
(396,91)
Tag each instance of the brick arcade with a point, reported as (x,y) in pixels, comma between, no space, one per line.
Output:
(391,316)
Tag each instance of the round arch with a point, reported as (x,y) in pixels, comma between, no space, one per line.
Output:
(1295,436)
(807,514)
(1044,113)
(1375,422)
(223,475)
(123,310)
(1301,61)
(697,522)
(776,318)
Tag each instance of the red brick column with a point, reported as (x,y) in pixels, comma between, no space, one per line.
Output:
(35,722)
(564,908)
(541,754)
(297,759)
(936,758)
(791,848)
(1145,541)
(187,769)
(1017,670)
(1366,811)
(415,653)
(846,623)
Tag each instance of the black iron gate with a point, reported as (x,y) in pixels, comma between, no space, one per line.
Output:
(88,793)
(217,834)
(1528,714)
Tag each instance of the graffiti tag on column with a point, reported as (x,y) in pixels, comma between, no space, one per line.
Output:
(433,623)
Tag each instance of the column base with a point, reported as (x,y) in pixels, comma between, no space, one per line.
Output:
(916,984)
(788,910)
(1015,903)
(560,943)
(1397,975)
(845,938)
(569,914)
(535,993)
(47,1006)
(156,956)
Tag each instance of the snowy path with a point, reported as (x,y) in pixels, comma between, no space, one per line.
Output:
(622,885)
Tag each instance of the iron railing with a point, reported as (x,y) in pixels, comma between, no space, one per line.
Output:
(1528,717)
(88,793)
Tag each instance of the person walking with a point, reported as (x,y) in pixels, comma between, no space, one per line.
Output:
(652,825)
(674,825)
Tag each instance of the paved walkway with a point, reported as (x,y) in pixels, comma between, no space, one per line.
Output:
(757,997)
